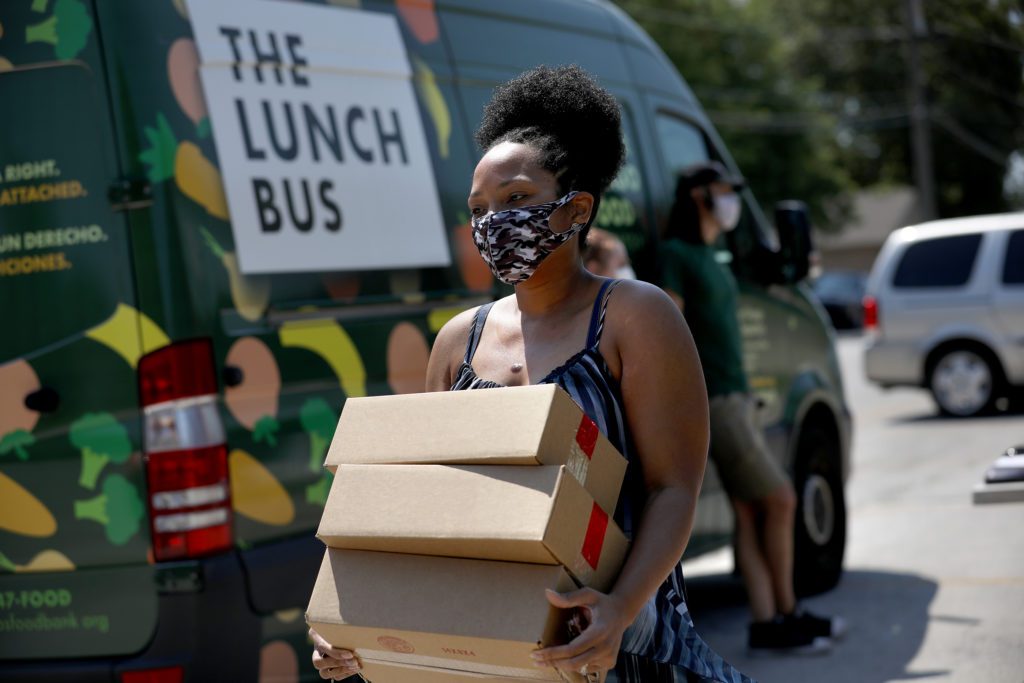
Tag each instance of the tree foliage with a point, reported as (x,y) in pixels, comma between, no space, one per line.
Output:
(972,64)
(812,96)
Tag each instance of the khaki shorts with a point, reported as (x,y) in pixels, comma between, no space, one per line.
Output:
(745,465)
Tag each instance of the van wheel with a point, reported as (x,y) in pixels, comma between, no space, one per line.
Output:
(963,382)
(820,529)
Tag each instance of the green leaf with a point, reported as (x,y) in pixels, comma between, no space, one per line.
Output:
(265,429)
(203,129)
(159,155)
(7,565)
(211,242)
(16,441)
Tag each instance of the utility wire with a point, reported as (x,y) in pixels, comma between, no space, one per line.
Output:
(880,117)
(943,30)
(884,33)
(828,98)
(969,139)
(982,85)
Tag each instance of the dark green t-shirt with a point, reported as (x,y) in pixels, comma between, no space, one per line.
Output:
(710,296)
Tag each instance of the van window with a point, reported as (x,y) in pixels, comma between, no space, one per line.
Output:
(622,209)
(682,144)
(1013,268)
(945,262)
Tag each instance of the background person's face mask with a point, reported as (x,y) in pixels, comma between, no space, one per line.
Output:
(727,211)
(514,242)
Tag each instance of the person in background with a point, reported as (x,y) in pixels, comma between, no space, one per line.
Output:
(605,255)
(552,143)
(762,496)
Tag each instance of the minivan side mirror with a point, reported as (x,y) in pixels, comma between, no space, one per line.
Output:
(793,226)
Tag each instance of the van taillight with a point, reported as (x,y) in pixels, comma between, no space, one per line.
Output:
(870,313)
(186,454)
(170,674)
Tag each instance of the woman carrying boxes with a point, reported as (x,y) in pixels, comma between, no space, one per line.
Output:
(553,143)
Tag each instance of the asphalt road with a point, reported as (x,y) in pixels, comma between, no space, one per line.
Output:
(934,585)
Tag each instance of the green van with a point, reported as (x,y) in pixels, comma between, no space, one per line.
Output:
(170,378)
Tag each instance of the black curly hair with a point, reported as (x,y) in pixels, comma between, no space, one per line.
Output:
(574,124)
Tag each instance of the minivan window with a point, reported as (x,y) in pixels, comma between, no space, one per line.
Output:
(1013,267)
(943,262)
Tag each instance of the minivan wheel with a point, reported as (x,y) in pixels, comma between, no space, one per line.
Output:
(820,528)
(963,383)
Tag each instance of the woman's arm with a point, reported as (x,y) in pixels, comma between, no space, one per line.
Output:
(649,346)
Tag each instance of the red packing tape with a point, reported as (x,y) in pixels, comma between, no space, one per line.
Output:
(586,436)
(594,540)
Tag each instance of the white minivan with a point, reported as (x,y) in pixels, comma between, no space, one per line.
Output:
(944,309)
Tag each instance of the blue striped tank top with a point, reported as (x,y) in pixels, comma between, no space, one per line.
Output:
(664,631)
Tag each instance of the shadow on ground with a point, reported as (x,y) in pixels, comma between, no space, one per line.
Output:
(1008,407)
(888,614)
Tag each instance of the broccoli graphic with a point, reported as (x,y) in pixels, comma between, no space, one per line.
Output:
(118,508)
(16,441)
(264,430)
(319,421)
(101,439)
(316,494)
(67,29)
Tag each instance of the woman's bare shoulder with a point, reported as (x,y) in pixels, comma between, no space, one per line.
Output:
(637,301)
(641,322)
(455,333)
(447,350)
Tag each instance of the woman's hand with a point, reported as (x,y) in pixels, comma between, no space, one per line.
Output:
(597,647)
(334,664)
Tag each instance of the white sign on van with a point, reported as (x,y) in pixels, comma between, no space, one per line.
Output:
(321,147)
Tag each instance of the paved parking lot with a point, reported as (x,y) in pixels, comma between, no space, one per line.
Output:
(934,585)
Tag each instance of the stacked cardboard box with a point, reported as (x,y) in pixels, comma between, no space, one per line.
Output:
(440,543)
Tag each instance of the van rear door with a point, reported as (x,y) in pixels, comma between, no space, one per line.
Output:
(73,528)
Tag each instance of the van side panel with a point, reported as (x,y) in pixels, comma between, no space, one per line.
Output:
(74,534)
(290,347)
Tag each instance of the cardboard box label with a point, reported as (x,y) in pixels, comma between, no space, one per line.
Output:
(394,644)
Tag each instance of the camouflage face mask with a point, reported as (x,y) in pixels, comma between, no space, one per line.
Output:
(515,242)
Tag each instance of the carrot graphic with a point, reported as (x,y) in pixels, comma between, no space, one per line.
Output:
(22,513)
(249,293)
(45,561)
(256,493)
